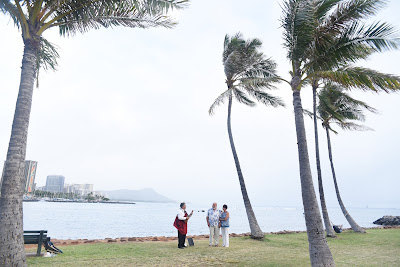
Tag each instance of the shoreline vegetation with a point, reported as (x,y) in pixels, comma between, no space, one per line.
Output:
(378,247)
(79,201)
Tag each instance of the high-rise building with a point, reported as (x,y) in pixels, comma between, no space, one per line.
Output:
(79,189)
(29,175)
(55,183)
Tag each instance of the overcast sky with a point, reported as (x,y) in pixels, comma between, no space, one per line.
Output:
(128,109)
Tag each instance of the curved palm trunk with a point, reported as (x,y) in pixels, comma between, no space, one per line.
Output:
(325,216)
(320,254)
(12,251)
(254,227)
(346,214)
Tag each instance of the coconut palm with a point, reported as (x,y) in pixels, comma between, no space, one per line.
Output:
(248,73)
(299,25)
(337,107)
(345,40)
(33,18)
(322,38)
(309,37)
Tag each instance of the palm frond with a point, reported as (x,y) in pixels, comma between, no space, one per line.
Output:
(299,25)
(257,83)
(350,126)
(379,36)
(259,66)
(219,101)
(336,106)
(347,12)
(231,44)
(326,108)
(242,98)
(248,72)
(323,7)
(362,78)
(265,98)
(308,113)
(8,8)
(357,41)
(79,18)
(47,57)
(334,55)
(163,5)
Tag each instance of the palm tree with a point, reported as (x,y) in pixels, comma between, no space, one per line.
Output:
(33,18)
(248,73)
(337,107)
(299,24)
(319,39)
(345,41)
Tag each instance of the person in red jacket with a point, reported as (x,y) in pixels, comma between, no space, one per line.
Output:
(181,224)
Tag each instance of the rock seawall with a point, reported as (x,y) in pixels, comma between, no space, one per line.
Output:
(388,220)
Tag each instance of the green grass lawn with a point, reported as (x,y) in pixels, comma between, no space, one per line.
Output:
(379,247)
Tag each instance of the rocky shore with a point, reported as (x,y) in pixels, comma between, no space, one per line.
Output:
(388,220)
(69,242)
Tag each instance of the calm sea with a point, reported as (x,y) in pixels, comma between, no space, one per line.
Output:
(97,221)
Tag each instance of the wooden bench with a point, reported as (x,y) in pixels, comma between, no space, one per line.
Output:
(35,237)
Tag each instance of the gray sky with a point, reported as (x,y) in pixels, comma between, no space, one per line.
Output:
(128,109)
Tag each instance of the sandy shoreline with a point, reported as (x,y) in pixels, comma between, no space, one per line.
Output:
(69,242)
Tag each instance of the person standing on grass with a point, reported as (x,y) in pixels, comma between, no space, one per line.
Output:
(224,223)
(181,224)
(213,223)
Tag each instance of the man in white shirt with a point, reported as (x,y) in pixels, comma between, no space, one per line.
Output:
(181,224)
(213,223)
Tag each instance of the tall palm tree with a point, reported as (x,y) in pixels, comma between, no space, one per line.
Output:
(248,73)
(33,18)
(311,37)
(337,107)
(345,40)
(299,27)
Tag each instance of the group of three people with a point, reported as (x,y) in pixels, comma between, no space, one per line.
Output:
(216,220)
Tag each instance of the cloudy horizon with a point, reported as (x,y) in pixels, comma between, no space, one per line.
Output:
(128,109)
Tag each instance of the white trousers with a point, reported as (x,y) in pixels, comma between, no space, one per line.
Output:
(214,235)
(225,236)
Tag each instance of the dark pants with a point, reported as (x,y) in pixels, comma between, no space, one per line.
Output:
(181,240)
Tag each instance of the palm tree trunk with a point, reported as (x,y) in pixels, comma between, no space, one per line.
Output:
(346,214)
(255,229)
(12,251)
(325,216)
(320,254)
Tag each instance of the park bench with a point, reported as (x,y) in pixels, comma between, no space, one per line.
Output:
(40,238)
(35,237)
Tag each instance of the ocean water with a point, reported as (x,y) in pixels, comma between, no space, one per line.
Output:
(97,221)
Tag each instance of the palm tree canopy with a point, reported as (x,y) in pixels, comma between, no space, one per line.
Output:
(338,107)
(328,35)
(248,73)
(33,17)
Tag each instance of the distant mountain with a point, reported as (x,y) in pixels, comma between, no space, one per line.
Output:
(143,195)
